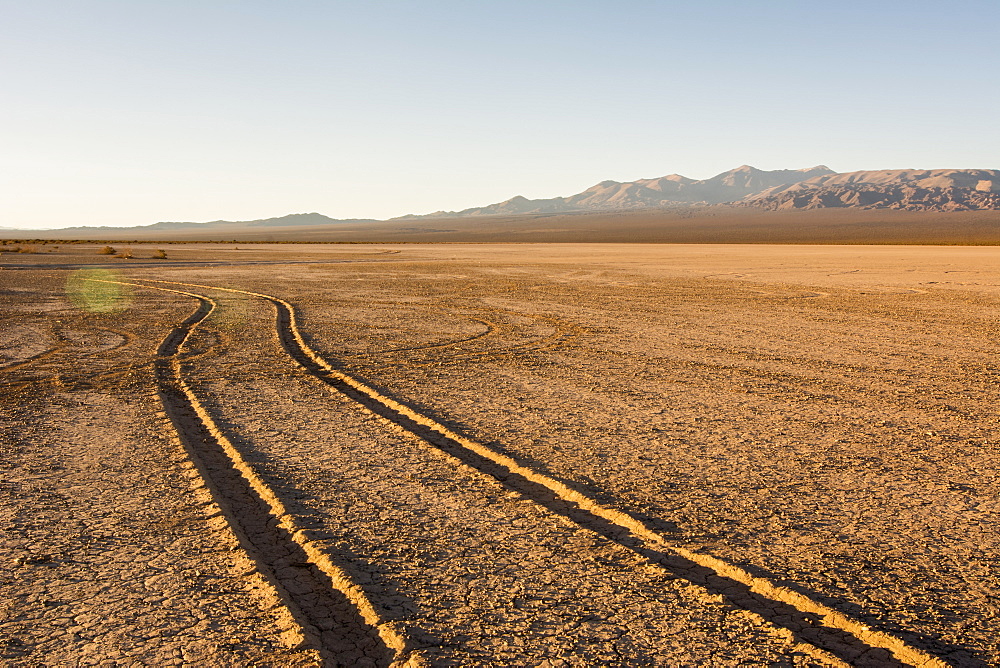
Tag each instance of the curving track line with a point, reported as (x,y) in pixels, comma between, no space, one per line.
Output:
(489,329)
(75,379)
(823,631)
(816,387)
(31,359)
(67,343)
(312,588)
(564,333)
(15,363)
(127,339)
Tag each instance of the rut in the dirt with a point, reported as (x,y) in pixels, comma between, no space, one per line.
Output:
(328,620)
(838,639)
(834,635)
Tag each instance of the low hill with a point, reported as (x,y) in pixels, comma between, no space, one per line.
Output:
(214,227)
(291,220)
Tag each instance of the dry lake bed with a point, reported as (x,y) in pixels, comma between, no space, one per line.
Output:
(486,454)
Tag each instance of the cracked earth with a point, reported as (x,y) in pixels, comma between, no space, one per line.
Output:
(559,455)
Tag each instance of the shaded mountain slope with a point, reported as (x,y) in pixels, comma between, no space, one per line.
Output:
(665,191)
(903,189)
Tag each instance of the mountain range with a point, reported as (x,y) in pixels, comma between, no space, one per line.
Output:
(810,188)
(927,190)
(904,189)
(665,191)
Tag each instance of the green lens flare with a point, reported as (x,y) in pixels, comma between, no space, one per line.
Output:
(234,313)
(88,290)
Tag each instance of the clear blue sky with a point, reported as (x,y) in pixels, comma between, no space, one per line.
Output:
(129,112)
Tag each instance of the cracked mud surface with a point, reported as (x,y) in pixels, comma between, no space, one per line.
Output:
(824,418)
(107,554)
(473,573)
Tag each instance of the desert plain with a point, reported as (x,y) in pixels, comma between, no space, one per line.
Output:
(500,454)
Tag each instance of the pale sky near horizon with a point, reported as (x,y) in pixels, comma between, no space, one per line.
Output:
(130,112)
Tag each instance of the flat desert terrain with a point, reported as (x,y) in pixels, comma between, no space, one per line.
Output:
(684,225)
(500,454)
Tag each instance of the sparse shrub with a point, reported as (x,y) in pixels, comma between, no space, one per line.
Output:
(27,249)
(125,254)
(107,250)
(160,254)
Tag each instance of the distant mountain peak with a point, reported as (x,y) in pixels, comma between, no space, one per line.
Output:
(903,189)
(780,188)
(746,185)
(665,191)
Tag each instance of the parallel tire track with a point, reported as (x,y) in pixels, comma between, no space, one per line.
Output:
(830,634)
(332,614)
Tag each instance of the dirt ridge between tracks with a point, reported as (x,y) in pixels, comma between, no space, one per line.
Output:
(324,605)
(833,636)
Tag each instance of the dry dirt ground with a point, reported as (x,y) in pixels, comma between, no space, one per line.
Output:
(673,225)
(476,455)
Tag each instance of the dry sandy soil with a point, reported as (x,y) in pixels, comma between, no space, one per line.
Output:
(681,225)
(554,455)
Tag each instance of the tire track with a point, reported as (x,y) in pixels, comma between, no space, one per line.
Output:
(827,633)
(69,381)
(31,359)
(76,337)
(10,360)
(489,329)
(414,356)
(330,612)
(50,367)
(564,333)
(822,386)
(63,341)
